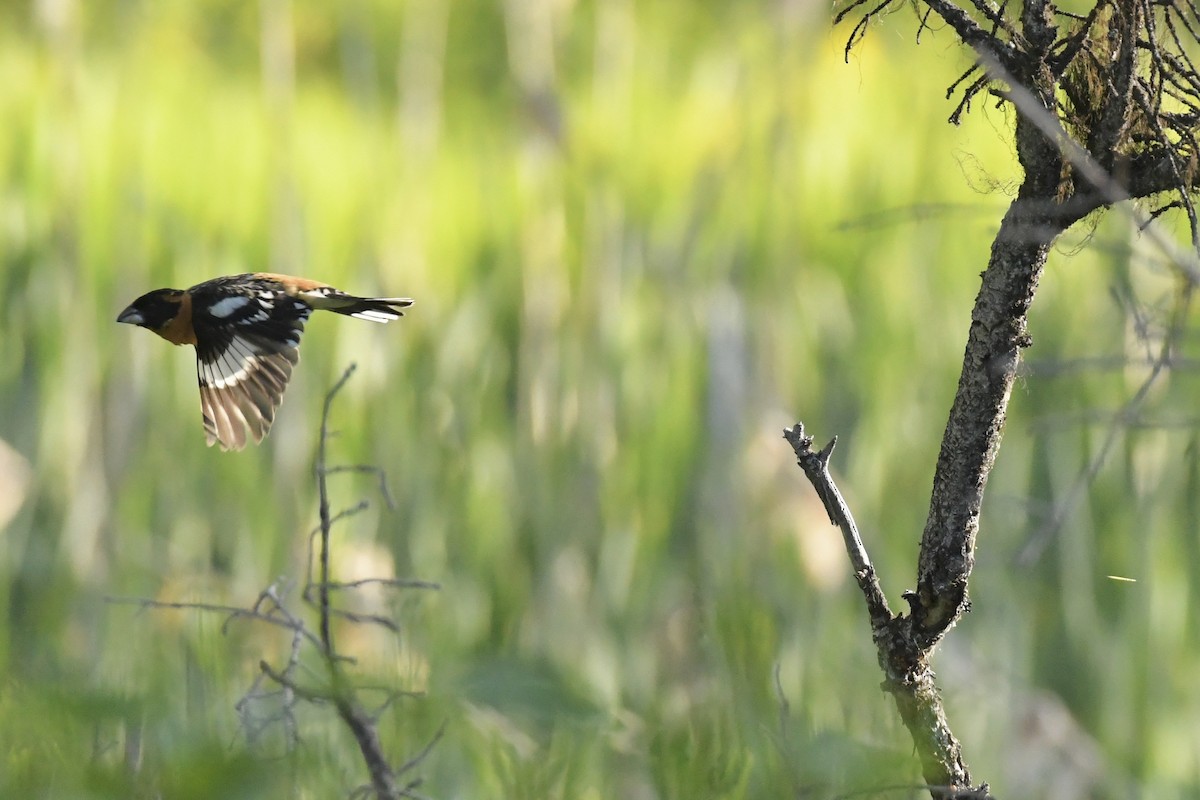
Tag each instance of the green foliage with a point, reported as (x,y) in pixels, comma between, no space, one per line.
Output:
(642,238)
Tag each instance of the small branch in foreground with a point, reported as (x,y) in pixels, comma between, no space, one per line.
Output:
(342,694)
(339,691)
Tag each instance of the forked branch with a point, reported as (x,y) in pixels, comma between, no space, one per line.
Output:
(1107,110)
(904,661)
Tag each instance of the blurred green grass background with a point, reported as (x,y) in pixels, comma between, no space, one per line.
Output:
(643,238)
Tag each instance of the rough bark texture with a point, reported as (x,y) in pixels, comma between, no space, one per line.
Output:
(1091,130)
(972,438)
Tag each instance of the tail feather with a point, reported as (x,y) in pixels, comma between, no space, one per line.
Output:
(375,309)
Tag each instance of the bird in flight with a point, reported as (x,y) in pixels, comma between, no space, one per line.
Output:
(246,330)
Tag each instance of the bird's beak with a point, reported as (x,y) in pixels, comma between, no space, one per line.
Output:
(131,316)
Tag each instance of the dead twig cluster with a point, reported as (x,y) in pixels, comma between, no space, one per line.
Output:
(280,688)
(1122,81)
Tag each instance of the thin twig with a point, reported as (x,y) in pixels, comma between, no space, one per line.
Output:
(383,777)
(344,696)
(326,521)
(369,469)
(415,761)
(1036,543)
(397,583)
(373,619)
(358,508)
(234,612)
(785,707)
(816,469)
(303,692)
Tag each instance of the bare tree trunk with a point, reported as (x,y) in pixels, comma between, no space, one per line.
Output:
(998,332)
(1091,131)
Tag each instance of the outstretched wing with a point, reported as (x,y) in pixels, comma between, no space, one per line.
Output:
(246,345)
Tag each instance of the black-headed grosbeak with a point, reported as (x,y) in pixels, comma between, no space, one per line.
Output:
(246,329)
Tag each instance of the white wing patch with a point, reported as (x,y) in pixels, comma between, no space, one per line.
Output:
(228,305)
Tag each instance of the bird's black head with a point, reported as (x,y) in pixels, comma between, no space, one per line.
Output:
(153,310)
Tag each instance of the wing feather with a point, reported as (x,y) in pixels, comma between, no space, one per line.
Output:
(241,388)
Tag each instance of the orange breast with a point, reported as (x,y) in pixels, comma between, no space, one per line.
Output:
(180,330)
